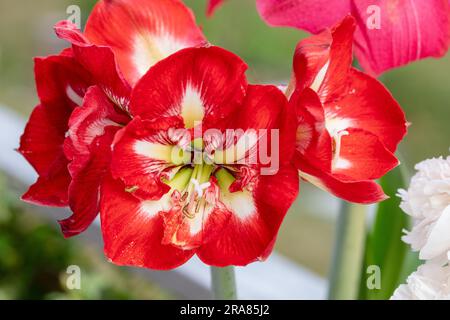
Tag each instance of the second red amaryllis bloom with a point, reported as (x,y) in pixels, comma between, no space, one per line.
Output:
(349,125)
(158,208)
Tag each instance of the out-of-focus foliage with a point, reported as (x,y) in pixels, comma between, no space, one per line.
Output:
(384,247)
(34,258)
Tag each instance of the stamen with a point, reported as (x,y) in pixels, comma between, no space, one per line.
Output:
(184,196)
(186,212)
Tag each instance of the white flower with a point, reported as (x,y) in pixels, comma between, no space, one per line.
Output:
(427,201)
(431,281)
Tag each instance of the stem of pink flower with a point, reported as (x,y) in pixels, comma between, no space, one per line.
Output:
(223,283)
(345,273)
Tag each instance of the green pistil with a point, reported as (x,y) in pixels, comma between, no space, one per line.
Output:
(224,179)
(185,180)
(181,179)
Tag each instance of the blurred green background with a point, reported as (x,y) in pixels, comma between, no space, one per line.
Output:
(26,243)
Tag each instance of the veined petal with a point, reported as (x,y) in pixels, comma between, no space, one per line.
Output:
(50,189)
(56,76)
(198,84)
(88,147)
(365,192)
(369,106)
(256,217)
(322,62)
(405,31)
(362,157)
(89,121)
(99,61)
(258,130)
(41,143)
(311,15)
(142,32)
(84,190)
(143,152)
(313,140)
(61,83)
(133,230)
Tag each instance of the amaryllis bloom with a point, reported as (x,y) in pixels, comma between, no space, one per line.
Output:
(84,97)
(427,201)
(162,203)
(349,125)
(431,281)
(389,33)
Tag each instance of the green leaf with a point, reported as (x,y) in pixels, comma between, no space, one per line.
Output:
(384,247)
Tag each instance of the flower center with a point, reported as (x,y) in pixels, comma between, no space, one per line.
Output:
(192,180)
(193,197)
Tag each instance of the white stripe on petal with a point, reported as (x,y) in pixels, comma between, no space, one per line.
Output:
(153,150)
(240,203)
(320,77)
(151,208)
(192,107)
(75,97)
(149,49)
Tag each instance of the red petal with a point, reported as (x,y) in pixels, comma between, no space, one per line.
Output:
(311,15)
(257,216)
(408,31)
(90,121)
(364,192)
(85,187)
(142,32)
(88,146)
(212,6)
(369,106)
(312,140)
(133,232)
(42,140)
(199,84)
(362,157)
(50,189)
(322,62)
(263,114)
(61,84)
(99,61)
(41,143)
(142,154)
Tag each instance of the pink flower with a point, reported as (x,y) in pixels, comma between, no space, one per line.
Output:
(389,33)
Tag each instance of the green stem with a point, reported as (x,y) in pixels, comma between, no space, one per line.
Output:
(348,252)
(223,283)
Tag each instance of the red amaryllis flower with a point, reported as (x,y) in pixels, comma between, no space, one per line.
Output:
(158,207)
(69,134)
(389,33)
(349,124)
